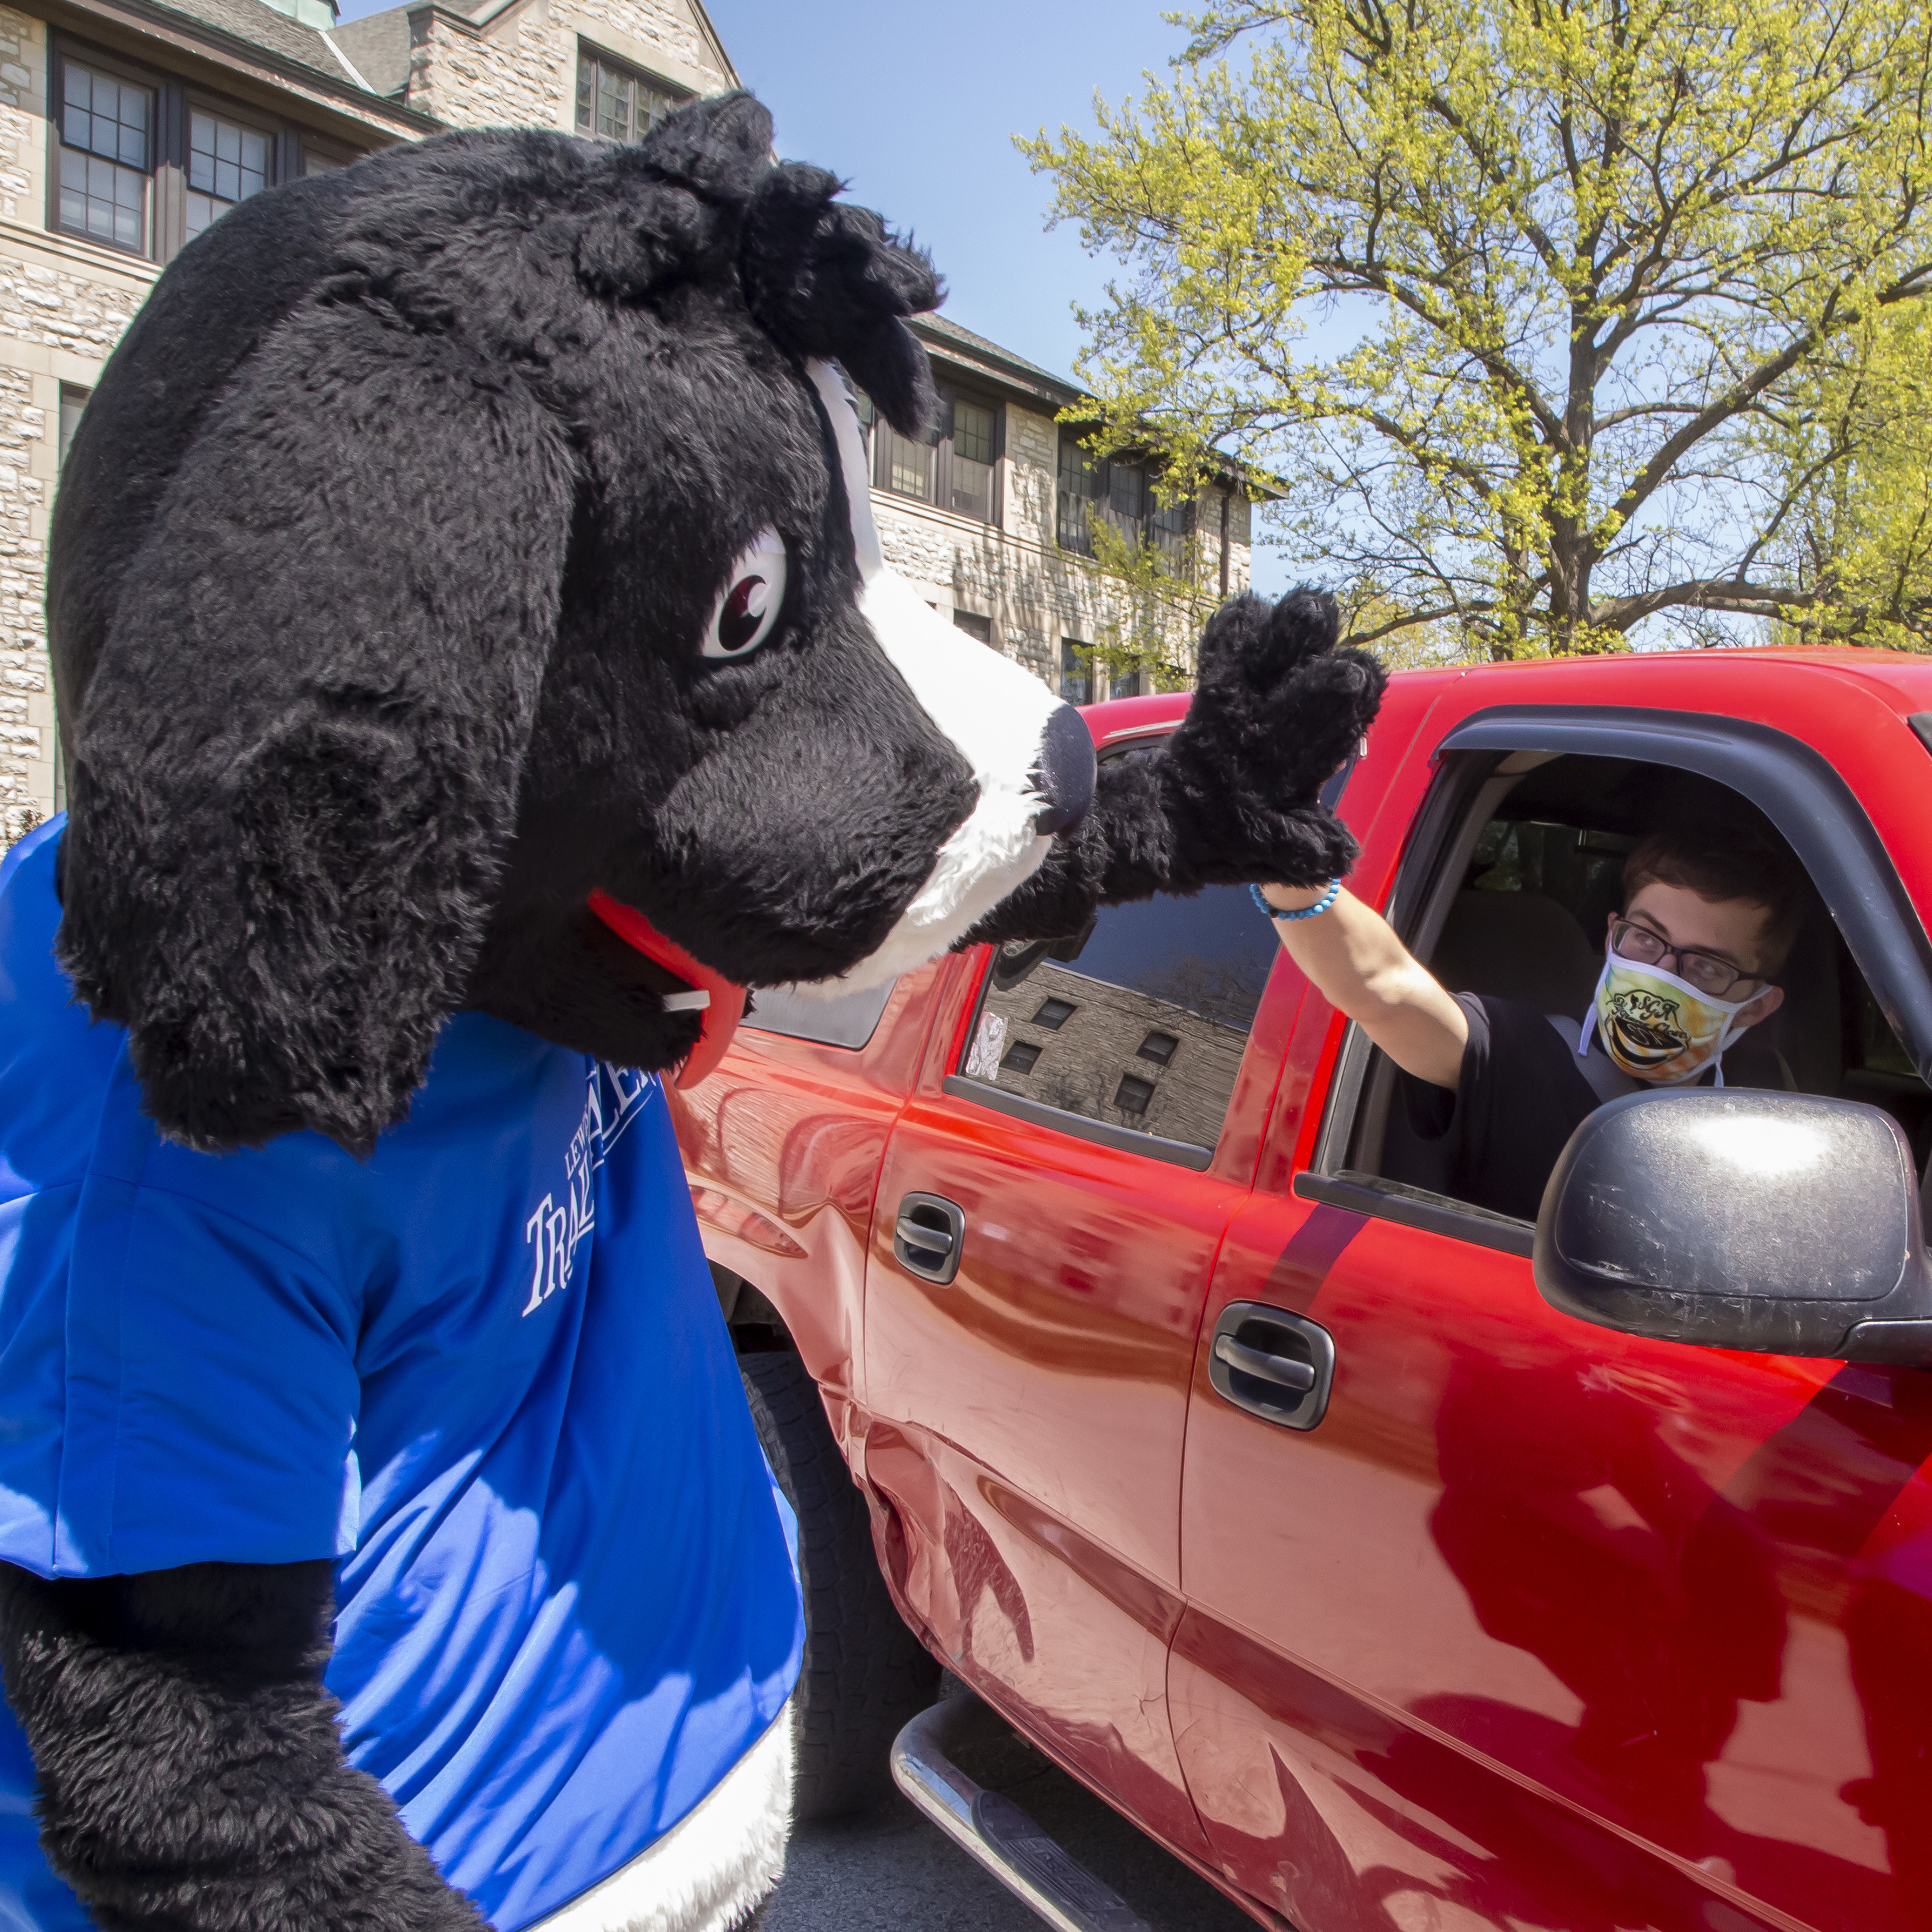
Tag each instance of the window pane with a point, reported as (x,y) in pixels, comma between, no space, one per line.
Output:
(1168,527)
(104,116)
(1082,480)
(905,466)
(1145,1027)
(225,160)
(73,401)
(1072,531)
(616,104)
(972,488)
(1080,475)
(613,119)
(1076,671)
(973,624)
(99,198)
(1127,495)
(973,432)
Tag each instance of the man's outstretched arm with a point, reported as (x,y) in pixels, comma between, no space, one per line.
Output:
(1358,965)
(190,1770)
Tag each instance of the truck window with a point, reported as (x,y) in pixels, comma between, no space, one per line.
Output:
(1517,910)
(1139,1023)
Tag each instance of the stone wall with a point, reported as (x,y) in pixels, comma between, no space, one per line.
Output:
(1089,1058)
(1033,594)
(64,304)
(520,68)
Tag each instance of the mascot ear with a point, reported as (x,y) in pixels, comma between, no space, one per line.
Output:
(826,281)
(296,762)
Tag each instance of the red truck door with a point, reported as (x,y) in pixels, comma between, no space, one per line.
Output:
(1047,1219)
(1540,1624)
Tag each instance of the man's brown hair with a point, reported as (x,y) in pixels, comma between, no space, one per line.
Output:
(1737,863)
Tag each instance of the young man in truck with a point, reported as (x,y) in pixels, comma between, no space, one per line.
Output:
(1689,964)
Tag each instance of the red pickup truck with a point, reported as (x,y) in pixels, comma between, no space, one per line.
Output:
(1251,1476)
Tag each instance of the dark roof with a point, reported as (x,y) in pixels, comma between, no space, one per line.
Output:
(250,20)
(248,37)
(957,344)
(378,44)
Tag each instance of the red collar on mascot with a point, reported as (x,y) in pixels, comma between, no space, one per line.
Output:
(724,1005)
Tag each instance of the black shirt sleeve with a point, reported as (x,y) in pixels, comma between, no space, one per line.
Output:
(1519,1098)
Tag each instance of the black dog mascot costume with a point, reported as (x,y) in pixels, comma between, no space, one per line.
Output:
(476,665)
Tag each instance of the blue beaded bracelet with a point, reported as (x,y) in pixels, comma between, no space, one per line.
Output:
(1321,904)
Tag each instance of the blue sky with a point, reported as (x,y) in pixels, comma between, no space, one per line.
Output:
(916,105)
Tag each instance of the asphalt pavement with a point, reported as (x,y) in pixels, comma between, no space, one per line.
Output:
(889,1868)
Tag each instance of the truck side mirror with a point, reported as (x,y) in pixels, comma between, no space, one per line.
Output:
(1777,1222)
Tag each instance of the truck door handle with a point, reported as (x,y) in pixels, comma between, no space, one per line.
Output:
(1272,1363)
(1284,1371)
(928,1236)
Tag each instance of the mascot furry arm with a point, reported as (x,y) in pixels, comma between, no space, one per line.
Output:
(454,543)
(1235,794)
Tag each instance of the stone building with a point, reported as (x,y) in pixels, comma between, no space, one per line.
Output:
(128,126)
(993,523)
(1158,1060)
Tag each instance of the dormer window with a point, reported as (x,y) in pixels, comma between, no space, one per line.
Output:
(616,103)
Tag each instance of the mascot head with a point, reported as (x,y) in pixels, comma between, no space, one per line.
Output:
(463,593)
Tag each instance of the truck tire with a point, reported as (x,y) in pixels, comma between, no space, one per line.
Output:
(864,1673)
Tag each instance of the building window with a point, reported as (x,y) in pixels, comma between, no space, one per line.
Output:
(107,126)
(1054,1014)
(902,466)
(1021,1058)
(1158,1047)
(1132,1095)
(974,432)
(616,103)
(973,625)
(1094,490)
(957,471)
(73,401)
(1076,671)
(227,163)
(145,165)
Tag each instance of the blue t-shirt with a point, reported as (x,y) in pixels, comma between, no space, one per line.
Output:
(484,1369)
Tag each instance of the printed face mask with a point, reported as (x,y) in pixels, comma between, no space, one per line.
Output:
(1656,1028)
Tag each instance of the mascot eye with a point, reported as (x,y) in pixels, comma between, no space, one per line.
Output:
(754,596)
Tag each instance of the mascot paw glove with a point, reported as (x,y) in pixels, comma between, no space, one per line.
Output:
(1278,709)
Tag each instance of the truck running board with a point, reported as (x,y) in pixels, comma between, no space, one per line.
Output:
(997,1832)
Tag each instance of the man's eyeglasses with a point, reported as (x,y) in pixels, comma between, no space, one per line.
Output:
(1704,970)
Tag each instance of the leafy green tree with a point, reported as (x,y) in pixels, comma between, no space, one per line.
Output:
(1162,600)
(1856,443)
(1602,261)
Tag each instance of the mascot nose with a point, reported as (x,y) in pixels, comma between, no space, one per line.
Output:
(1064,775)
